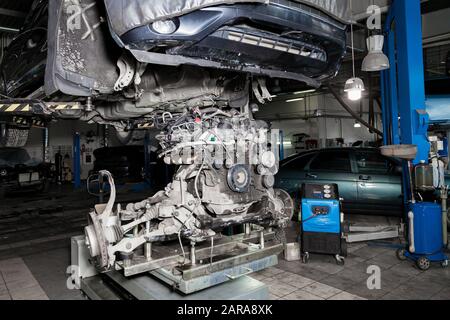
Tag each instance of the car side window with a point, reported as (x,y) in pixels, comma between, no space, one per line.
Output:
(332,161)
(299,163)
(372,163)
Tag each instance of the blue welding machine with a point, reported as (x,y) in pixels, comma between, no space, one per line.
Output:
(321,222)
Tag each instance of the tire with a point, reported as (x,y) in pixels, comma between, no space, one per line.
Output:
(340,261)
(13,137)
(423,263)
(131,138)
(45,187)
(344,251)
(401,254)
(305,258)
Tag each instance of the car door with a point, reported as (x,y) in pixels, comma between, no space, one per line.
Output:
(335,166)
(379,183)
(292,173)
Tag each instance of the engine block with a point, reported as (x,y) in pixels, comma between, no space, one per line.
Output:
(227,163)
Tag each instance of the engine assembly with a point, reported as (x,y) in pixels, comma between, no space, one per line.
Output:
(227,163)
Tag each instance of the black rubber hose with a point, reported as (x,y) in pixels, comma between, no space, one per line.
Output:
(353,113)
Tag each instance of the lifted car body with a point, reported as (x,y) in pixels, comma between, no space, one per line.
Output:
(220,51)
(281,39)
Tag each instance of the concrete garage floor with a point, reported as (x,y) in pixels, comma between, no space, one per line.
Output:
(35,254)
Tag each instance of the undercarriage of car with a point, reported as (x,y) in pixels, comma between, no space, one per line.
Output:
(209,56)
(127,65)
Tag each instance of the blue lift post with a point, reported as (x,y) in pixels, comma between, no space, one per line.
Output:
(403,87)
(405,119)
(77,160)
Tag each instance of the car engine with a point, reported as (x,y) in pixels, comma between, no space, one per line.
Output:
(227,162)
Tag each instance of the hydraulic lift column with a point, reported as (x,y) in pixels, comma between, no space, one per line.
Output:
(406,121)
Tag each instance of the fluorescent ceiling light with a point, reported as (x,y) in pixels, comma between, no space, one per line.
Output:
(295,100)
(357,125)
(306,91)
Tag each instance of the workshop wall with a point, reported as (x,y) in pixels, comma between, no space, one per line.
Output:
(320,117)
(61,135)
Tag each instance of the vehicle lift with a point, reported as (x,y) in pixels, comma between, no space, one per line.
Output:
(405,122)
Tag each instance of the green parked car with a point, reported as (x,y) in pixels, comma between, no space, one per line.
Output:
(368,182)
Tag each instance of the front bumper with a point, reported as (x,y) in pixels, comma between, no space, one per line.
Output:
(283,39)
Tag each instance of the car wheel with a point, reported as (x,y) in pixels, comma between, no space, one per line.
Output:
(13,137)
(45,187)
(131,138)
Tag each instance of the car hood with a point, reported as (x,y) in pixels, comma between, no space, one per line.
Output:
(13,164)
(125,15)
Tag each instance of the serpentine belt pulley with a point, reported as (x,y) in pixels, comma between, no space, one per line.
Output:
(238,178)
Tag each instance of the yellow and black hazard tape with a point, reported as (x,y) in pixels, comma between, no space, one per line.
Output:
(16,108)
(63,106)
(146,125)
(38,123)
(21,121)
(28,107)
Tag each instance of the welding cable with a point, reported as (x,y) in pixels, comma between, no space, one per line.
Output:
(310,218)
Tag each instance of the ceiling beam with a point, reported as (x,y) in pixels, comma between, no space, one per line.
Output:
(433,5)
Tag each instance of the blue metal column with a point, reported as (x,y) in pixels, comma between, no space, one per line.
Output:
(404,83)
(77,160)
(403,90)
(390,95)
(281,145)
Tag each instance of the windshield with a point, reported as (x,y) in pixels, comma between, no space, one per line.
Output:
(14,156)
